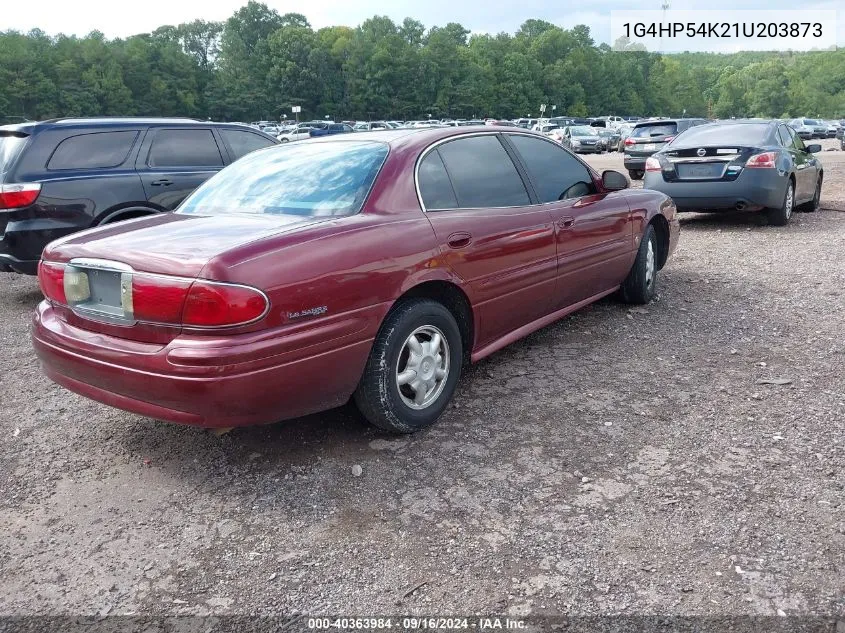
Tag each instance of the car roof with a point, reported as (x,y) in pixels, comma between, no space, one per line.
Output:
(116,122)
(421,137)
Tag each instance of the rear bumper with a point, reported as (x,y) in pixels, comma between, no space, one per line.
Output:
(22,240)
(202,382)
(634,162)
(753,190)
(11,264)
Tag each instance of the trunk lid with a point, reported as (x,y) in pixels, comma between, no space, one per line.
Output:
(715,162)
(172,243)
(106,264)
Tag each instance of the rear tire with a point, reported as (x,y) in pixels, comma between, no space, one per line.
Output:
(640,286)
(636,174)
(780,217)
(413,368)
(813,205)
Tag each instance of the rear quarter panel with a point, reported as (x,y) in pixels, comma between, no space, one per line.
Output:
(339,278)
(645,205)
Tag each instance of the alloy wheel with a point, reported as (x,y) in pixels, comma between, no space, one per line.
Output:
(423,367)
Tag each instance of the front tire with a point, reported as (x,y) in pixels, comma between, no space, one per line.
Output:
(640,286)
(636,174)
(413,368)
(780,217)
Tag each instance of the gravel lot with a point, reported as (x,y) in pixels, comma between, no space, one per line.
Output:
(619,461)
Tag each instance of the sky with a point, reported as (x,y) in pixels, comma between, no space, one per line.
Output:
(120,19)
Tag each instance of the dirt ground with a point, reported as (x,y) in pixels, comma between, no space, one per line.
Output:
(621,461)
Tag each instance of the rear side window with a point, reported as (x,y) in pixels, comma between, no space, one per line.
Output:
(552,169)
(92,151)
(242,143)
(785,136)
(482,173)
(10,147)
(658,129)
(435,188)
(184,148)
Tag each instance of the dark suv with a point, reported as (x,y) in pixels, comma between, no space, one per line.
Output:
(65,175)
(647,137)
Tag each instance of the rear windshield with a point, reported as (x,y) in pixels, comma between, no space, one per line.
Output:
(10,147)
(811,122)
(657,129)
(312,179)
(738,134)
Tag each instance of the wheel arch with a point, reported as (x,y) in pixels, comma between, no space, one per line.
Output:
(661,229)
(125,213)
(452,296)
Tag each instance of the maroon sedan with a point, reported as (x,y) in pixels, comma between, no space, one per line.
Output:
(371,268)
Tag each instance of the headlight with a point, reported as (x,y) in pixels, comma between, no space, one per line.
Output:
(574,142)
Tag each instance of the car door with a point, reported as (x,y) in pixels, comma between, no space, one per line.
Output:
(491,235)
(175,161)
(806,171)
(593,230)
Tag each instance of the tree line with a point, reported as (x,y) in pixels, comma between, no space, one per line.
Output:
(258,64)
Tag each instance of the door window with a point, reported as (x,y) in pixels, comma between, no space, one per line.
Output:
(555,173)
(184,148)
(482,173)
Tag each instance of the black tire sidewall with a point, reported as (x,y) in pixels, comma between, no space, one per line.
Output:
(397,416)
(779,217)
(635,288)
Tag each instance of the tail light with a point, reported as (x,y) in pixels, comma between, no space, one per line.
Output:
(156,299)
(51,278)
(652,164)
(766,160)
(629,141)
(216,305)
(19,195)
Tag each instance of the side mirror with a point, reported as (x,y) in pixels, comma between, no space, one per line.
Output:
(613,180)
(814,148)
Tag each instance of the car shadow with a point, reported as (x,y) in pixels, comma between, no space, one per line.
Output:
(723,219)
(28,297)
(276,446)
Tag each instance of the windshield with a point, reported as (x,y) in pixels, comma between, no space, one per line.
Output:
(10,146)
(313,179)
(583,130)
(811,122)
